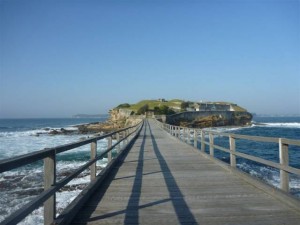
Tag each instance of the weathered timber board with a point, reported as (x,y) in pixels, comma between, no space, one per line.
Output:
(165,181)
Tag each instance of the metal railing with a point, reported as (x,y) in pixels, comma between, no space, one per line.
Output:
(51,185)
(191,135)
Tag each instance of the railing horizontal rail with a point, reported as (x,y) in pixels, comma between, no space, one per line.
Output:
(222,148)
(260,160)
(245,137)
(9,164)
(268,163)
(290,141)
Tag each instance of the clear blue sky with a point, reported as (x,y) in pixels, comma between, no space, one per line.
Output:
(59,58)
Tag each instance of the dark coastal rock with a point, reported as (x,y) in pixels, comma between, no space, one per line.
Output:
(96,128)
(215,120)
(54,132)
(62,131)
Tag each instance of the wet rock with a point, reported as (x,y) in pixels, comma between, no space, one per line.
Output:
(54,132)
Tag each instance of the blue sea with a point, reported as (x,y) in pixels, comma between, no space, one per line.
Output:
(21,136)
(281,127)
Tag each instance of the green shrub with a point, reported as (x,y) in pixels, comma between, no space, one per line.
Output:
(124,105)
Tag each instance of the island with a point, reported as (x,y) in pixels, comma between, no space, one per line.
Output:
(175,112)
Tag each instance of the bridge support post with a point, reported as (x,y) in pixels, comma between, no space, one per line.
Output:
(186,135)
(211,144)
(181,130)
(284,161)
(123,136)
(93,167)
(118,139)
(49,180)
(195,138)
(109,144)
(232,151)
(202,141)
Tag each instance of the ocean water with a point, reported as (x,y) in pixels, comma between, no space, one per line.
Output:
(21,136)
(19,186)
(283,127)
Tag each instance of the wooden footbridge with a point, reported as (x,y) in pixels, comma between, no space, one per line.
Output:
(156,178)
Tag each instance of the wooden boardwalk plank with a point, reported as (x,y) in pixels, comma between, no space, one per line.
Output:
(165,181)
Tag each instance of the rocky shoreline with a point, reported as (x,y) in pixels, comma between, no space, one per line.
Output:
(90,128)
(112,124)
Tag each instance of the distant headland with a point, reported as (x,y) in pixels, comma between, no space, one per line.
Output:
(90,116)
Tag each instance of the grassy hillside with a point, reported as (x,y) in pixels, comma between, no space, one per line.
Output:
(173,104)
(155,103)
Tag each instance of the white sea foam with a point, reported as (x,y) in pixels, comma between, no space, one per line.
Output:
(35,132)
(281,125)
(269,175)
(226,129)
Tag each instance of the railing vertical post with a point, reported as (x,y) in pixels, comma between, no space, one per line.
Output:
(202,141)
(127,137)
(123,136)
(183,134)
(188,135)
(109,143)
(232,151)
(195,138)
(93,167)
(284,160)
(49,180)
(118,139)
(178,132)
(211,144)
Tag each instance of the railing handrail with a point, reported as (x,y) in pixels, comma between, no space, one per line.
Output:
(15,162)
(254,138)
(283,143)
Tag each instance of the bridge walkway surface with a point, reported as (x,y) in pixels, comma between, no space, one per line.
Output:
(162,180)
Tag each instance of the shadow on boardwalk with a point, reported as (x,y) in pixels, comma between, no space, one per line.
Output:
(131,212)
(183,213)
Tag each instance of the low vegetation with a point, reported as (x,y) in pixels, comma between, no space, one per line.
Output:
(161,106)
(152,104)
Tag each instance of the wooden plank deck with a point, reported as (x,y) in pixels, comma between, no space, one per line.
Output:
(164,181)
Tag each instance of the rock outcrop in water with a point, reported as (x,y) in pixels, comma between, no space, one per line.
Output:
(210,119)
(118,119)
